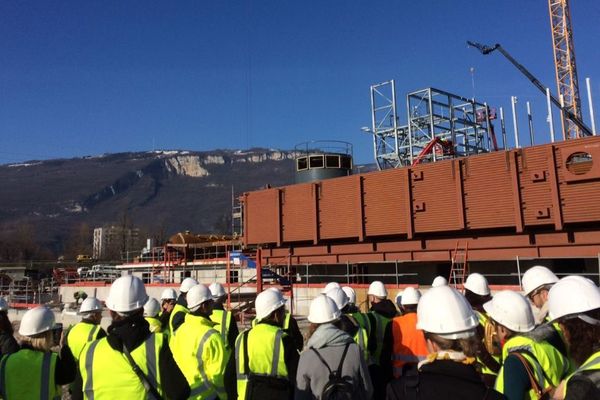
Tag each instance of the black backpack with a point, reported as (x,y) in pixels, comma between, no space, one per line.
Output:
(337,388)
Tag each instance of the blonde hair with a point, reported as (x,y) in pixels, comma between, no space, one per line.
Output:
(42,341)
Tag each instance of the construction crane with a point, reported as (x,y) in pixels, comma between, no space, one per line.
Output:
(564,63)
(566,113)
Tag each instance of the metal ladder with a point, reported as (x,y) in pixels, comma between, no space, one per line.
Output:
(459,269)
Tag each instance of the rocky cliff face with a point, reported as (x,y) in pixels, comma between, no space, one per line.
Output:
(167,191)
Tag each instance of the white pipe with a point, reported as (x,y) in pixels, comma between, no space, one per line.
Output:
(550,117)
(589,93)
(513,100)
(530,123)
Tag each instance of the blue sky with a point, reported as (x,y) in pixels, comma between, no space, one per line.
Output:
(83,78)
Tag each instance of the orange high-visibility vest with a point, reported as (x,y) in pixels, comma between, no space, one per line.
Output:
(409,342)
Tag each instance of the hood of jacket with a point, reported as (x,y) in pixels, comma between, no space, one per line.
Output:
(385,308)
(131,332)
(328,335)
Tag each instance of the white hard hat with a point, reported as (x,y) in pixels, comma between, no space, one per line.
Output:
(329,286)
(350,293)
(197,295)
(126,294)
(151,308)
(377,289)
(322,310)
(187,284)
(477,284)
(410,296)
(168,294)
(571,296)
(37,320)
(444,311)
(339,297)
(512,310)
(535,277)
(217,290)
(3,304)
(90,304)
(268,301)
(439,281)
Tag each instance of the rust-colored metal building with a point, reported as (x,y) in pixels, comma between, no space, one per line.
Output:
(536,202)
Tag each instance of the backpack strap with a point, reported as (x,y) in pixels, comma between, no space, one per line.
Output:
(322,359)
(338,373)
(531,374)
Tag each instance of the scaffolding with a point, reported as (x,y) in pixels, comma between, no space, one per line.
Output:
(440,125)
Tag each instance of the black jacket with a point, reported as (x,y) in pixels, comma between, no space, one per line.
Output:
(8,344)
(132,332)
(441,379)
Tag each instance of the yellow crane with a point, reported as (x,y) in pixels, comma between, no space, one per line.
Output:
(564,63)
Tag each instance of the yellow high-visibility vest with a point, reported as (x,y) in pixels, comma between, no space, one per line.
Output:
(265,354)
(29,374)
(107,374)
(79,335)
(548,364)
(201,354)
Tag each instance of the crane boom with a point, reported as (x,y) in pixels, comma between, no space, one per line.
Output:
(565,112)
(564,63)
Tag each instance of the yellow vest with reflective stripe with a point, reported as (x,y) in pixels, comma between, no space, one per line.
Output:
(265,353)
(178,308)
(107,374)
(222,319)
(591,364)
(81,334)
(155,324)
(29,374)
(200,353)
(361,338)
(381,324)
(547,363)
(483,321)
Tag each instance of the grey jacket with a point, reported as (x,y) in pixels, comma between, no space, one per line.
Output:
(313,374)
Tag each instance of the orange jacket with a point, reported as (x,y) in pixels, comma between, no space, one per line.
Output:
(409,342)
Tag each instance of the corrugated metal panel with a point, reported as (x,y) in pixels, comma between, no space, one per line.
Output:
(298,213)
(435,200)
(262,219)
(488,191)
(384,195)
(536,190)
(580,194)
(338,208)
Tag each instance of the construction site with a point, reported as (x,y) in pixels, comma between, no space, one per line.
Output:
(449,197)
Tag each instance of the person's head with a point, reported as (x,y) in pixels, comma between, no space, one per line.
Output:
(350,293)
(574,302)
(186,285)
(447,320)
(168,299)
(339,298)
(200,300)
(439,281)
(270,307)
(218,292)
(37,327)
(510,313)
(323,310)
(91,310)
(151,308)
(536,282)
(330,286)
(126,298)
(409,300)
(377,292)
(477,290)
